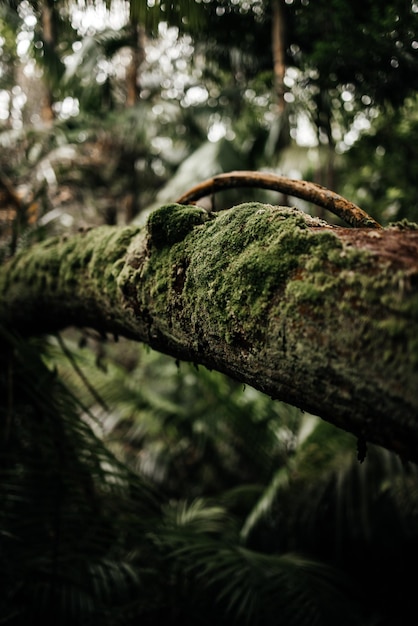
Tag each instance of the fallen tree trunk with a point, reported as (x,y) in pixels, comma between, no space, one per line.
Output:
(322,317)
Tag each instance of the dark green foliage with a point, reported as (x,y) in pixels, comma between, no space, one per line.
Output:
(295,525)
(82,539)
(193,432)
(238,585)
(358,517)
(337,44)
(295,528)
(362,43)
(67,504)
(187,13)
(380,167)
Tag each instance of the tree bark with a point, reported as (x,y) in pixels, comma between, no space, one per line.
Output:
(137,58)
(50,40)
(278,52)
(322,317)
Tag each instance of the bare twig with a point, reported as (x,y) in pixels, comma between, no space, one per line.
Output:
(311,192)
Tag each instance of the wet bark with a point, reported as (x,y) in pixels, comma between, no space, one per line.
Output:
(322,317)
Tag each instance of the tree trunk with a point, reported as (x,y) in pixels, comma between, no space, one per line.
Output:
(278,52)
(133,69)
(324,318)
(49,41)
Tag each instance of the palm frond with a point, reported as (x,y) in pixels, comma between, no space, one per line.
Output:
(265,503)
(195,426)
(68,505)
(199,516)
(252,588)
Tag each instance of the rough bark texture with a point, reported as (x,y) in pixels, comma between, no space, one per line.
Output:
(322,317)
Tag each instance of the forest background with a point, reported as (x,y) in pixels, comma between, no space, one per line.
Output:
(136,488)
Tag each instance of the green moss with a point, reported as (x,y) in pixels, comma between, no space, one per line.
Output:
(251,273)
(172,222)
(108,252)
(253,262)
(403,224)
(255,247)
(75,269)
(259,249)
(305,292)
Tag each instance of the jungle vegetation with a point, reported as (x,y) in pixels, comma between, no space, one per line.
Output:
(135,488)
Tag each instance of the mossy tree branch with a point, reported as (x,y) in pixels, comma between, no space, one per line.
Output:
(325,318)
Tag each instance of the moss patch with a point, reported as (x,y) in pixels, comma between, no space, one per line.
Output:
(403,224)
(81,270)
(172,222)
(254,247)
(257,262)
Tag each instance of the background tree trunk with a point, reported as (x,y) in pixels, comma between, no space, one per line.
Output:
(49,41)
(133,70)
(278,52)
(324,318)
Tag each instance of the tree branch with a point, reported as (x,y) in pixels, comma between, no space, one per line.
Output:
(325,318)
(349,212)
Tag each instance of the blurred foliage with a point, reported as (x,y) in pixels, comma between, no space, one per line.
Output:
(67,504)
(381,165)
(165,492)
(189,430)
(203,69)
(361,43)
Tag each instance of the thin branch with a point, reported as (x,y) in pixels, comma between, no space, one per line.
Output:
(311,192)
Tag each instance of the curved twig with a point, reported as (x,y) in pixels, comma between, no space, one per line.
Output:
(312,192)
